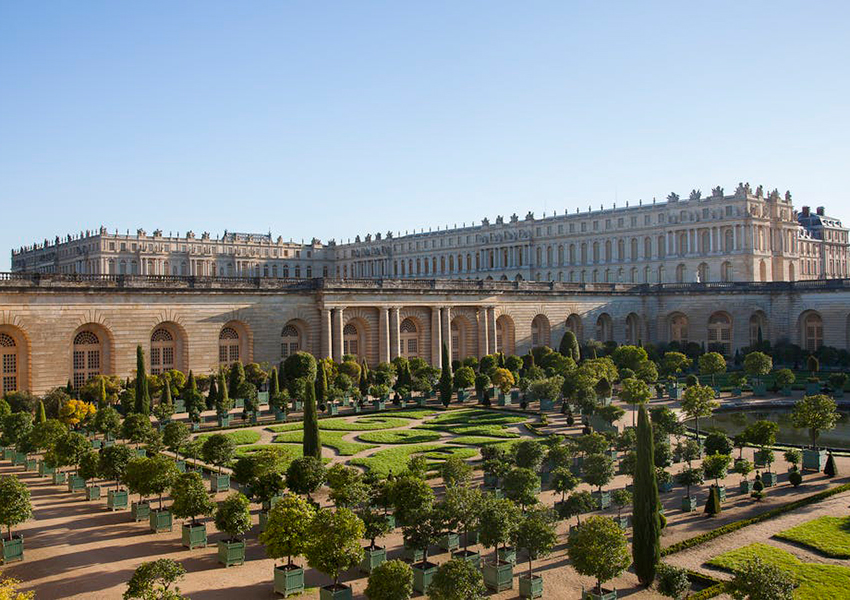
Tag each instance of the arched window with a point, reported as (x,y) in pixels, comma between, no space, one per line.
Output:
(680,273)
(720,333)
(9,358)
(758,328)
(351,340)
(679,329)
(812,332)
(647,248)
(540,331)
(728,241)
(228,346)
(574,324)
(726,271)
(632,330)
(604,328)
(162,351)
(703,272)
(683,244)
(409,338)
(762,271)
(86,358)
(504,335)
(290,341)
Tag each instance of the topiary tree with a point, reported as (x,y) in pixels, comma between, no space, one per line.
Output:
(698,401)
(816,413)
(153,580)
(757,365)
(16,427)
(446,378)
(503,379)
(672,581)
(712,364)
(563,481)
(599,549)
(114,461)
(521,485)
(15,505)
(461,509)
(718,442)
(598,470)
(233,516)
(136,428)
(347,486)
(335,543)
(713,506)
(143,398)
(743,467)
(688,477)
(218,450)
(311,440)
(289,528)
(90,466)
(499,522)
(830,469)
(528,454)
(569,346)
(758,580)
(174,436)
(784,378)
(410,495)
(646,547)
(464,378)
(107,421)
(455,471)
(391,580)
(575,505)
(715,466)
(457,579)
(190,498)
(69,450)
(305,475)
(536,532)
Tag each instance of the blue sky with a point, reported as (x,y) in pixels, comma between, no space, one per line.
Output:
(333,119)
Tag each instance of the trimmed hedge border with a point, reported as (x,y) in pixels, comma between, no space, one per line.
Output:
(736,525)
(715,586)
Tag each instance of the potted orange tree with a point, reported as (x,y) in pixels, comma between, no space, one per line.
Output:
(190,499)
(233,517)
(334,546)
(288,532)
(15,508)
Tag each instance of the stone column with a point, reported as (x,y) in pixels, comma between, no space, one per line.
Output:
(446,329)
(491,328)
(325,351)
(383,334)
(337,334)
(436,338)
(395,338)
(483,339)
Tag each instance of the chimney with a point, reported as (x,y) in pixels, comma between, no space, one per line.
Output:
(820,211)
(805,211)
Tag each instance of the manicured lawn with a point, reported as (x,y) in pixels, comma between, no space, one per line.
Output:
(477,416)
(392,459)
(404,436)
(239,437)
(829,535)
(365,423)
(291,451)
(414,413)
(471,429)
(816,581)
(331,439)
(478,440)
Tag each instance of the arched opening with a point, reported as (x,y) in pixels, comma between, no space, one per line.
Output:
(574,324)
(10,363)
(505,335)
(762,271)
(792,274)
(290,340)
(703,272)
(540,331)
(633,337)
(758,328)
(229,346)
(409,338)
(163,351)
(87,358)
(720,333)
(811,331)
(352,342)
(604,328)
(459,330)
(679,328)
(681,272)
(726,271)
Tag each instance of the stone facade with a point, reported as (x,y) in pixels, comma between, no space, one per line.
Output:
(56,328)
(745,236)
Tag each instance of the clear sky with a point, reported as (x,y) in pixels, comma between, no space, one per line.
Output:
(332,119)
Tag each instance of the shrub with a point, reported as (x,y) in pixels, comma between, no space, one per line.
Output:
(288,529)
(391,580)
(153,580)
(335,542)
(672,581)
(761,581)
(233,516)
(795,479)
(457,579)
(599,548)
(15,506)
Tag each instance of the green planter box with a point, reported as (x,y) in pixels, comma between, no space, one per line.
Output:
(181,466)
(297,405)
(390,520)
(769,479)
(263,397)
(602,499)
(288,580)
(499,577)
(721,491)
(622,521)
(116,500)
(372,557)
(342,592)
(195,426)
(59,477)
(19,459)
(96,444)
(93,492)
(507,554)
(160,520)
(449,542)
(194,536)
(547,405)
(13,550)
(239,403)
(689,504)
(412,555)
(279,415)
(108,443)
(490,480)
(675,392)
(179,405)
(224,421)
(839,393)
(231,553)
(746,487)
(813,388)
(357,409)
(141,452)
(814,460)
(332,409)
(264,520)
(31,464)
(421,402)
(270,504)
(379,404)
(759,390)
(423,573)
(219,482)
(469,556)
(665,487)
(593,595)
(530,587)
(504,400)
(786,391)
(76,483)
(140,511)
(8,453)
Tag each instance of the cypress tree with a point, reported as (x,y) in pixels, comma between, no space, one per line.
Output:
(712,507)
(237,378)
(165,399)
(321,384)
(41,417)
(222,401)
(830,469)
(646,525)
(143,398)
(446,378)
(274,384)
(102,399)
(569,346)
(364,379)
(212,395)
(312,444)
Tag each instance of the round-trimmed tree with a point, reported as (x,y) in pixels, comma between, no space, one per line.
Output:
(15,505)
(335,543)
(289,528)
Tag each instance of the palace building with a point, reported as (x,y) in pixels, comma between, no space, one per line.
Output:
(723,271)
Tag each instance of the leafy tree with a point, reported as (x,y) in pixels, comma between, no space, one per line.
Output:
(666,420)
(194,400)
(40,415)
(143,399)
(599,549)
(569,346)
(713,364)
(235,378)
(464,378)
(375,523)
(311,441)
(715,466)
(165,409)
(559,454)
(248,392)
(672,581)
(233,516)
(15,506)
(499,522)
(149,476)
(335,543)
(107,421)
(223,402)
(114,461)
(758,364)
(153,580)
(528,454)
(74,412)
(305,475)
(446,378)
(646,545)
(698,401)
(461,508)
(758,580)
(690,476)
(190,497)
(674,363)
(44,436)
(503,379)
(743,467)
(634,391)
(784,378)
(410,495)
(347,486)
(563,481)
(520,486)
(457,579)
(575,505)
(218,450)
(816,413)
(136,428)
(16,427)
(70,449)
(299,365)
(536,533)
(761,433)
(90,465)
(598,470)
(455,471)
(391,580)
(289,528)
(718,442)
(9,590)
(174,436)
(629,357)
(593,443)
